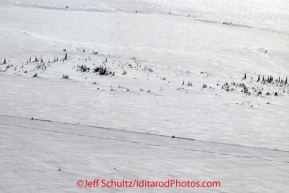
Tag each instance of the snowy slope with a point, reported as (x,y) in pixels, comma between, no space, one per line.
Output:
(164,47)
(33,151)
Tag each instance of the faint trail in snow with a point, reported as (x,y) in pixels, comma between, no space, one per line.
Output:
(242,25)
(106,128)
(59,8)
(149,144)
(142,133)
(207,21)
(109,9)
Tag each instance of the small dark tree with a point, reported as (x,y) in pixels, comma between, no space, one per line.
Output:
(285,81)
(4,61)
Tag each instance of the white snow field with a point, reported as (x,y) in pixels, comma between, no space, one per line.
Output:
(211,73)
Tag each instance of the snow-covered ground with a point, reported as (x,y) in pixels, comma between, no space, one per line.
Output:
(125,120)
(33,151)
